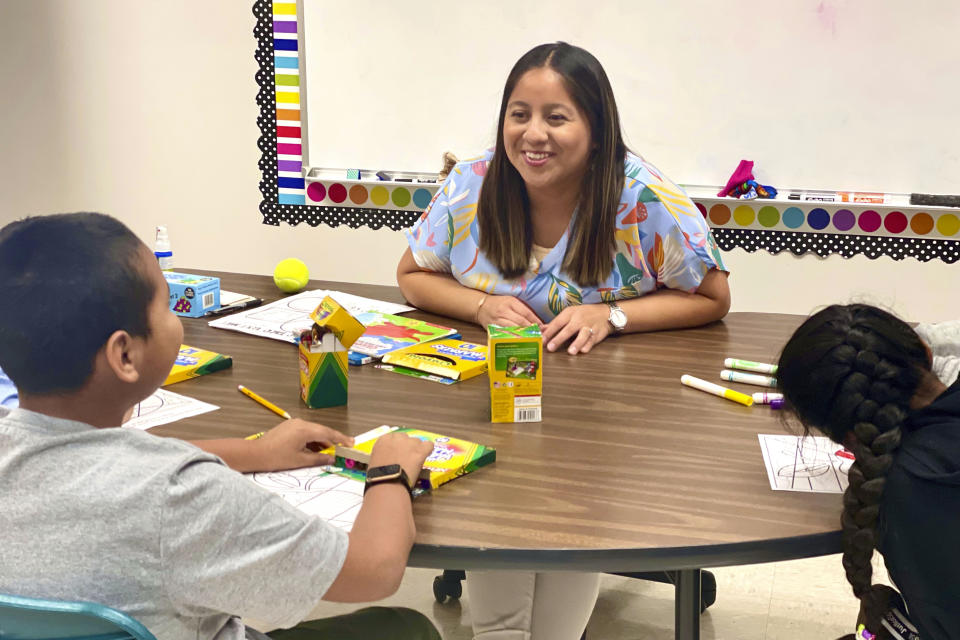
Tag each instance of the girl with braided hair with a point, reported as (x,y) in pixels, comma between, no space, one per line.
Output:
(863,377)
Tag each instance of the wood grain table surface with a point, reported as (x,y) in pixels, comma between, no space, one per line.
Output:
(629,470)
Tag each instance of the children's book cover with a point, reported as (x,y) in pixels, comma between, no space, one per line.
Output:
(451,457)
(192,362)
(446,360)
(385,333)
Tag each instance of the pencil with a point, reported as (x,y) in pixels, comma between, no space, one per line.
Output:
(269,405)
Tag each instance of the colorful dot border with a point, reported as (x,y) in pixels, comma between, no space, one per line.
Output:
(832,218)
(800,227)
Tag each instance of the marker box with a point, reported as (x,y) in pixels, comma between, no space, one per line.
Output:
(323,355)
(514,366)
(192,296)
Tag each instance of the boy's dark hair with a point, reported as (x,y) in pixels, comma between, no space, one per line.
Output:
(67,282)
(850,371)
(503,209)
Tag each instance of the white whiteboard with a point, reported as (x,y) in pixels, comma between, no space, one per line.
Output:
(839,94)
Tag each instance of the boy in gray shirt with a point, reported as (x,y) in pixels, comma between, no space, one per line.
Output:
(153,526)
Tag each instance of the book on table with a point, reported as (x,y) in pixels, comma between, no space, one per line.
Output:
(450,459)
(385,333)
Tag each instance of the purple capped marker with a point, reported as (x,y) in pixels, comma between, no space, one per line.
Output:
(776,403)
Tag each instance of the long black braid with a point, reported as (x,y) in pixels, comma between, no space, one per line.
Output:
(850,372)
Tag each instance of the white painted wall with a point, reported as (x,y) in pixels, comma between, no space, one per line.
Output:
(146,110)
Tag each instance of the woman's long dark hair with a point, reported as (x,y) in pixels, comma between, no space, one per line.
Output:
(850,372)
(503,210)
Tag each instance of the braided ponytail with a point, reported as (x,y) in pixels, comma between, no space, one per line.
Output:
(850,372)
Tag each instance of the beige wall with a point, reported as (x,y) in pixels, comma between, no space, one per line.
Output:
(146,110)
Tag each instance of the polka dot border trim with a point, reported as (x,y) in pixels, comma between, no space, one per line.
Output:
(825,244)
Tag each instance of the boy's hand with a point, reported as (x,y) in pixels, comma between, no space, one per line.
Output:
(297,443)
(399,448)
(506,311)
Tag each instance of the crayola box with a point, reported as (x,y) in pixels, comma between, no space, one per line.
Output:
(192,296)
(323,355)
(450,458)
(446,361)
(514,359)
(192,362)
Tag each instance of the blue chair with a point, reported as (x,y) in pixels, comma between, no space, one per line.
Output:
(36,619)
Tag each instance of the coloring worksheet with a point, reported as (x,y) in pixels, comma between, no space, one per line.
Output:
(284,319)
(317,491)
(811,464)
(164,407)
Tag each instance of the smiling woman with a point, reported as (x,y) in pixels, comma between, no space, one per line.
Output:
(559,225)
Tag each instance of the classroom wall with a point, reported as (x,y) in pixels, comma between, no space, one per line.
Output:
(146,110)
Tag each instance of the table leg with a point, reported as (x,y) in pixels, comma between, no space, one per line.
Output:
(687,605)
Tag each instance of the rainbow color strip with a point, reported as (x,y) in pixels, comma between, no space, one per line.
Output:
(357,194)
(290,184)
(838,218)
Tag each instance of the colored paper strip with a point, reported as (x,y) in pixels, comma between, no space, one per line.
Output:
(290,183)
(288,114)
(280,44)
(291,149)
(288,132)
(287,198)
(286,62)
(286,97)
(286,80)
(289,165)
(284,26)
(284,8)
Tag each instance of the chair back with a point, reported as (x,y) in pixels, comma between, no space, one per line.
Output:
(38,619)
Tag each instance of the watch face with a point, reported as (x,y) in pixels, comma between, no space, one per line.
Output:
(389,470)
(618,318)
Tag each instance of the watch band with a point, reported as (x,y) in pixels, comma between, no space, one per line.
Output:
(386,474)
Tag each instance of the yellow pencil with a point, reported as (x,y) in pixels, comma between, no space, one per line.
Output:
(255,436)
(269,405)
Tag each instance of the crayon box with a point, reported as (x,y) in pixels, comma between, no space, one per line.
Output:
(192,296)
(323,355)
(514,365)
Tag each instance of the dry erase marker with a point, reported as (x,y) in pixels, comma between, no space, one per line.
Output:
(748,378)
(716,390)
(767,398)
(269,405)
(749,365)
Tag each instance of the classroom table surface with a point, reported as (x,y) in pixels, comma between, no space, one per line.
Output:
(628,471)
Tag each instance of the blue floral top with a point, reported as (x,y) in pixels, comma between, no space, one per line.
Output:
(662,240)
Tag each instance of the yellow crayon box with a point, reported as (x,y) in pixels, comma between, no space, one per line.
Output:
(323,355)
(192,362)
(514,364)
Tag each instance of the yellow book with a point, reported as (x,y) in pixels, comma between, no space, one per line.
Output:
(192,362)
(451,457)
(451,360)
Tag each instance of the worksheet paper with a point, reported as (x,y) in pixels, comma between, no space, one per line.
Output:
(810,464)
(164,407)
(316,491)
(284,319)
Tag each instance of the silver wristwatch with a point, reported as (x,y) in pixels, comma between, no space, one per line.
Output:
(617,318)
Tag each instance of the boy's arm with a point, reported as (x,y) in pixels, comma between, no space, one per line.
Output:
(383,531)
(291,444)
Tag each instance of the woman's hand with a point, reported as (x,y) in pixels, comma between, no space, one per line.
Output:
(506,311)
(585,325)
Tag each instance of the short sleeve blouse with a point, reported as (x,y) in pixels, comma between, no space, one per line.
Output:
(662,240)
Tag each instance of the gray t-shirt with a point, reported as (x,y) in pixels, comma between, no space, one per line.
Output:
(153,527)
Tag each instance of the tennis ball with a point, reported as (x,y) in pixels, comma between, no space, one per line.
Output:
(291,275)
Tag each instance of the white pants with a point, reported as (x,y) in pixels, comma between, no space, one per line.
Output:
(519,605)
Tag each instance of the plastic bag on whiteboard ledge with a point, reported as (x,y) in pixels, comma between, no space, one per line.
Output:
(742,184)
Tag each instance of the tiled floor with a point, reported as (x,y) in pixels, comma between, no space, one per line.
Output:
(777,601)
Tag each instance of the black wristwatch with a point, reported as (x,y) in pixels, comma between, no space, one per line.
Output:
(388,473)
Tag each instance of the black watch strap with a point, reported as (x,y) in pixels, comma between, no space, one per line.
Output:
(387,474)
